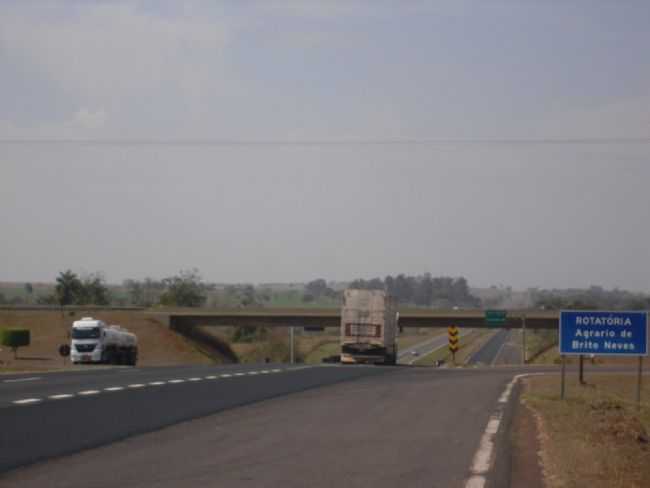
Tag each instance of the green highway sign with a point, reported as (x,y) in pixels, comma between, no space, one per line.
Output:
(496,317)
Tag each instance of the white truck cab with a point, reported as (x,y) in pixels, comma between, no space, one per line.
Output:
(93,341)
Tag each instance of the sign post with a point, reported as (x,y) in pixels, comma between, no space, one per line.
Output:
(453,341)
(606,334)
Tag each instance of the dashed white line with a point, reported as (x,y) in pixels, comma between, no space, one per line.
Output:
(114,388)
(157,383)
(176,381)
(253,372)
(26,401)
(276,371)
(88,392)
(265,371)
(61,396)
(240,374)
(137,385)
(226,375)
(20,380)
(194,379)
(211,377)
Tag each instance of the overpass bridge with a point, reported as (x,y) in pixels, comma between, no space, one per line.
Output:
(182,319)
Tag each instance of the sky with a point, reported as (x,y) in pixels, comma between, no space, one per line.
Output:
(277,141)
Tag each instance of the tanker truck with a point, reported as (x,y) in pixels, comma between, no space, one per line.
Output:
(368,327)
(93,341)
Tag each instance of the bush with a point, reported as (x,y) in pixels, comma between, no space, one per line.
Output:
(15,338)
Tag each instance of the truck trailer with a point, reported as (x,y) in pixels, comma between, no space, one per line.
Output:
(93,341)
(368,327)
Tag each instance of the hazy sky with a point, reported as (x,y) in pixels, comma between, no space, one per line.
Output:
(528,162)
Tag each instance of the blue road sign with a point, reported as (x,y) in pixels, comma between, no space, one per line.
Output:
(604,333)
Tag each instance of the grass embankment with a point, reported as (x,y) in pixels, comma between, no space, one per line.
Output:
(596,437)
(469,344)
(310,347)
(49,329)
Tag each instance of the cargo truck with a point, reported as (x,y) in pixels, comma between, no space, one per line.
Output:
(93,341)
(368,327)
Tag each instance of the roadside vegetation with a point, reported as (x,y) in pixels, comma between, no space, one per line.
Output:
(48,329)
(596,437)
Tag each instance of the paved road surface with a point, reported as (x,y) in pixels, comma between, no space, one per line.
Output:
(426,347)
(53,414)
(390,427)
(502,348)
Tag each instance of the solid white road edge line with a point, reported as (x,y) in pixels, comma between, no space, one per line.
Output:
(484,456)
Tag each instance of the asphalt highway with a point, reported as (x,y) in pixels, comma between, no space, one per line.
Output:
(384,426)
(47,415)
(499,349)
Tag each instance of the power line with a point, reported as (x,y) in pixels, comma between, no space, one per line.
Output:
(323,142)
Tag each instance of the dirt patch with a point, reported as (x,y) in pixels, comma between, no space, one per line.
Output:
(594,438)
(158,345)
(526,447)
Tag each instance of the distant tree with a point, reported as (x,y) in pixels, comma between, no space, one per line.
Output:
(68,288)
(94,290)
(316,288)
(248,297)
(184,290)
(135,292)
(29,290)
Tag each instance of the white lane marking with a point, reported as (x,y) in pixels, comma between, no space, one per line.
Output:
(20,380)
(276,371)
(210,377)
(114,388)
(240,374)
(226,375)
(88,392)
(253,372)
(61,397)
(137,385)
(26,401)
(265,371)
(194,379)
(176,381)
(484,457)
(157,383)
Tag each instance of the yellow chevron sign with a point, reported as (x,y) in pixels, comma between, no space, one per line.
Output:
(454,340)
